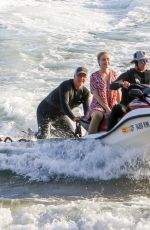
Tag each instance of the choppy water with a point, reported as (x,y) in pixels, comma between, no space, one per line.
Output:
(67,184)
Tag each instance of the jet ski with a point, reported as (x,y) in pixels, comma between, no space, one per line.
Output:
(134,127)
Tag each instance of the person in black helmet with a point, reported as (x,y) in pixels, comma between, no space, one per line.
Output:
(56,108)
(137,74)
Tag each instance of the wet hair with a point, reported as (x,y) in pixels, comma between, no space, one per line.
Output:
(99,55)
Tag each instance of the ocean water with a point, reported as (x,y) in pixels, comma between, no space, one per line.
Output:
(67,184)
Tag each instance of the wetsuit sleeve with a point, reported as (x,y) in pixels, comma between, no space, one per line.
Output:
(64,101)
(118,82)
(147,77)
(86,102)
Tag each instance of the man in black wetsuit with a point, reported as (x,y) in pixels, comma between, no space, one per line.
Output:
(56,108)
(138,74)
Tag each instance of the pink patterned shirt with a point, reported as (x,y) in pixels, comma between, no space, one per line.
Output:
(108,96)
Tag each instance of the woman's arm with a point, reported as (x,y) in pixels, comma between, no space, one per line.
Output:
(119,94)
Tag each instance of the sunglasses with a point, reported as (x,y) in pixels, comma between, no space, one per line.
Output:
(143,61)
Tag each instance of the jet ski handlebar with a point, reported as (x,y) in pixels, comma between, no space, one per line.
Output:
(139,91)
(117,85)
(137,86)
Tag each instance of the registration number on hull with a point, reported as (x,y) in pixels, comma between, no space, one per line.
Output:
(135,127)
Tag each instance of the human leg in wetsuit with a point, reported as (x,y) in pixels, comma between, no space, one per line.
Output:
(48,116)
(63,126)
(43,119)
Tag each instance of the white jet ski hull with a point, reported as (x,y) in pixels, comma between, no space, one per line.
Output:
(132,130)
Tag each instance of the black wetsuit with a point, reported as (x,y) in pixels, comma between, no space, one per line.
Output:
(132,76)
(56,108)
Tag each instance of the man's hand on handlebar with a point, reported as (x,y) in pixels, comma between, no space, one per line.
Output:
(77,118)
(126,84)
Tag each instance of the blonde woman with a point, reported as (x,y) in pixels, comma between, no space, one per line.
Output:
(103,98)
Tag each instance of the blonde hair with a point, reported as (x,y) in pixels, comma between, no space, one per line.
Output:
(101,54)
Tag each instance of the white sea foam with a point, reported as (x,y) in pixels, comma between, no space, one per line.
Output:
(86,160)
(92,214)
(39,40)
(42,42)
